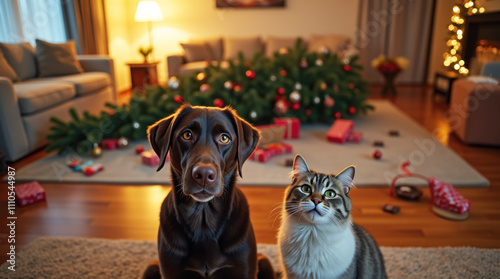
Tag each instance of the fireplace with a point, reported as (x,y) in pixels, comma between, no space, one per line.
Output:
(481,40)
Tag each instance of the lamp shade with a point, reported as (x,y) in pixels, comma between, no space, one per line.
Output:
(148,11)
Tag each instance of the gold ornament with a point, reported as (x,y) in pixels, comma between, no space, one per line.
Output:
(96,152)
(123,142)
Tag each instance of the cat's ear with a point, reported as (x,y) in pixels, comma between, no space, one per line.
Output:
(299,167)
(345,177)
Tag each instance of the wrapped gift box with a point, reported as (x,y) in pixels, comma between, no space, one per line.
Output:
(109,144)
(264,155)
(292,125)
(355,137)
(150,158)
(340,130)
(271,134)
(29,193)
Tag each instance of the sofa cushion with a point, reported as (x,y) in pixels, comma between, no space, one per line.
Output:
(21,58)
(332,42)
(199,66)
(57,59)
(35,95)
(274,44)
(196,52)
(6,70)
(248,46)
(85,83)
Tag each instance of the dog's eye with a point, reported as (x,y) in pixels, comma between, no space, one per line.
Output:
(187,135)
(224,138)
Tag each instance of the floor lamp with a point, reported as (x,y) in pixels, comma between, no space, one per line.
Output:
(148,11)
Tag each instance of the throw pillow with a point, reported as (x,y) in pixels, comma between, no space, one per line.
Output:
(57,59)
(196,52)
(6,70)
(332,42)
(248,46)
(21,58)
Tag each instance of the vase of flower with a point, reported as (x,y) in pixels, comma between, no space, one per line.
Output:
(390,67)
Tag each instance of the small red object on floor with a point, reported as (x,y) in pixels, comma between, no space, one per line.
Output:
(150,158)
(92,169)
(139,149)
(340,130)
(377,154)
(29,193)
(109,144)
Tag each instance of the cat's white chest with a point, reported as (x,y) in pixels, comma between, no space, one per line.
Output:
(312,252)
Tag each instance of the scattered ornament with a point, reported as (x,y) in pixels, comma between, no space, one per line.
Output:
(378,143)
(253,115)
(308,112)
(272,78)
(319,62)
(283,51)
(122,142)
(408,192)
(298,86)
(317,100)
(228,85)
(136,125)
(329,102)
(337,115)
(218,102)
(393,209)
(281,107)
(93,169)
(173,82)
(250,74)
(295,97)
(201,77)
(377,154)
(96,152)
(204,88)
(394,133)
(83,165)
(295,106)
(283,73)
(280,91)
(74,163)
(237,87)
(139,149)
(346,68)
(303,63)
(178,99)
(352,110)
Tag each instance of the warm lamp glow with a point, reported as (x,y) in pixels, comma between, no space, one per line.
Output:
(148,11)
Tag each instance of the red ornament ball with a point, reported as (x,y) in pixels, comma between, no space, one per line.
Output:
(237,87)
(352,110)
(280,91)
(139,149)
(178,99)
(347,68)
(329,102)
(283,73)
(295,106)
(351,85)
(281,107)
(250,74)
(337,115)
(218,103)
(204,88)
(377,154)
(308,112)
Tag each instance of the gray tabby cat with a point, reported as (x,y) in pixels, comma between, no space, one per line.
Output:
(317,238)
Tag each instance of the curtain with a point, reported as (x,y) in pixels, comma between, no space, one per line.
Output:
(85,22)
(27,20)
(395,28)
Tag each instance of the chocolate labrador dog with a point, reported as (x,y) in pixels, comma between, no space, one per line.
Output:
(205,229)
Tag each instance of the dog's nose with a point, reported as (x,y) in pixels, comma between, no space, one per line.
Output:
(204,174)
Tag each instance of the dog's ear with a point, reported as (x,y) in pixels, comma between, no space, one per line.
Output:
(248,138)
(160,134)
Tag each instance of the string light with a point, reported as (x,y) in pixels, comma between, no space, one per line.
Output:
(452,57)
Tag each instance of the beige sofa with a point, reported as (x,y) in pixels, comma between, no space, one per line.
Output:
(197,53)
(26,105)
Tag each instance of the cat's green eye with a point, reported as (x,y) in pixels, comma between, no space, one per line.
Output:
(306,189)
(330,194)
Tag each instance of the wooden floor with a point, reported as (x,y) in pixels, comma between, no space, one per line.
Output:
(131,212)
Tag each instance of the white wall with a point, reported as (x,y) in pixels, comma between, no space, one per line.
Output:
(185,19)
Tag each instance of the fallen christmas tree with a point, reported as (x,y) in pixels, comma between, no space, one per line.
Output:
(312,86)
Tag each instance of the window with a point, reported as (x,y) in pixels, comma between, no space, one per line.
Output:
(27,20)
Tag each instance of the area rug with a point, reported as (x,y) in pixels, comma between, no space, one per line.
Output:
(101,258)
(427,156)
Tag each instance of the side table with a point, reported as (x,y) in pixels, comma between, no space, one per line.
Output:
(143,74)
(443,82)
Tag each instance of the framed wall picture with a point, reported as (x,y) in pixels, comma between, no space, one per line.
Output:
(249,3)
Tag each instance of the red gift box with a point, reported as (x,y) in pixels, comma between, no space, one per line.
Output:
(292,125)
(29,193)
(109,144)
(355,137)
(150,158)
(263,155)
(340,130)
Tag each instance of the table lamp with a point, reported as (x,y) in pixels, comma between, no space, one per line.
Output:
(148,11)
